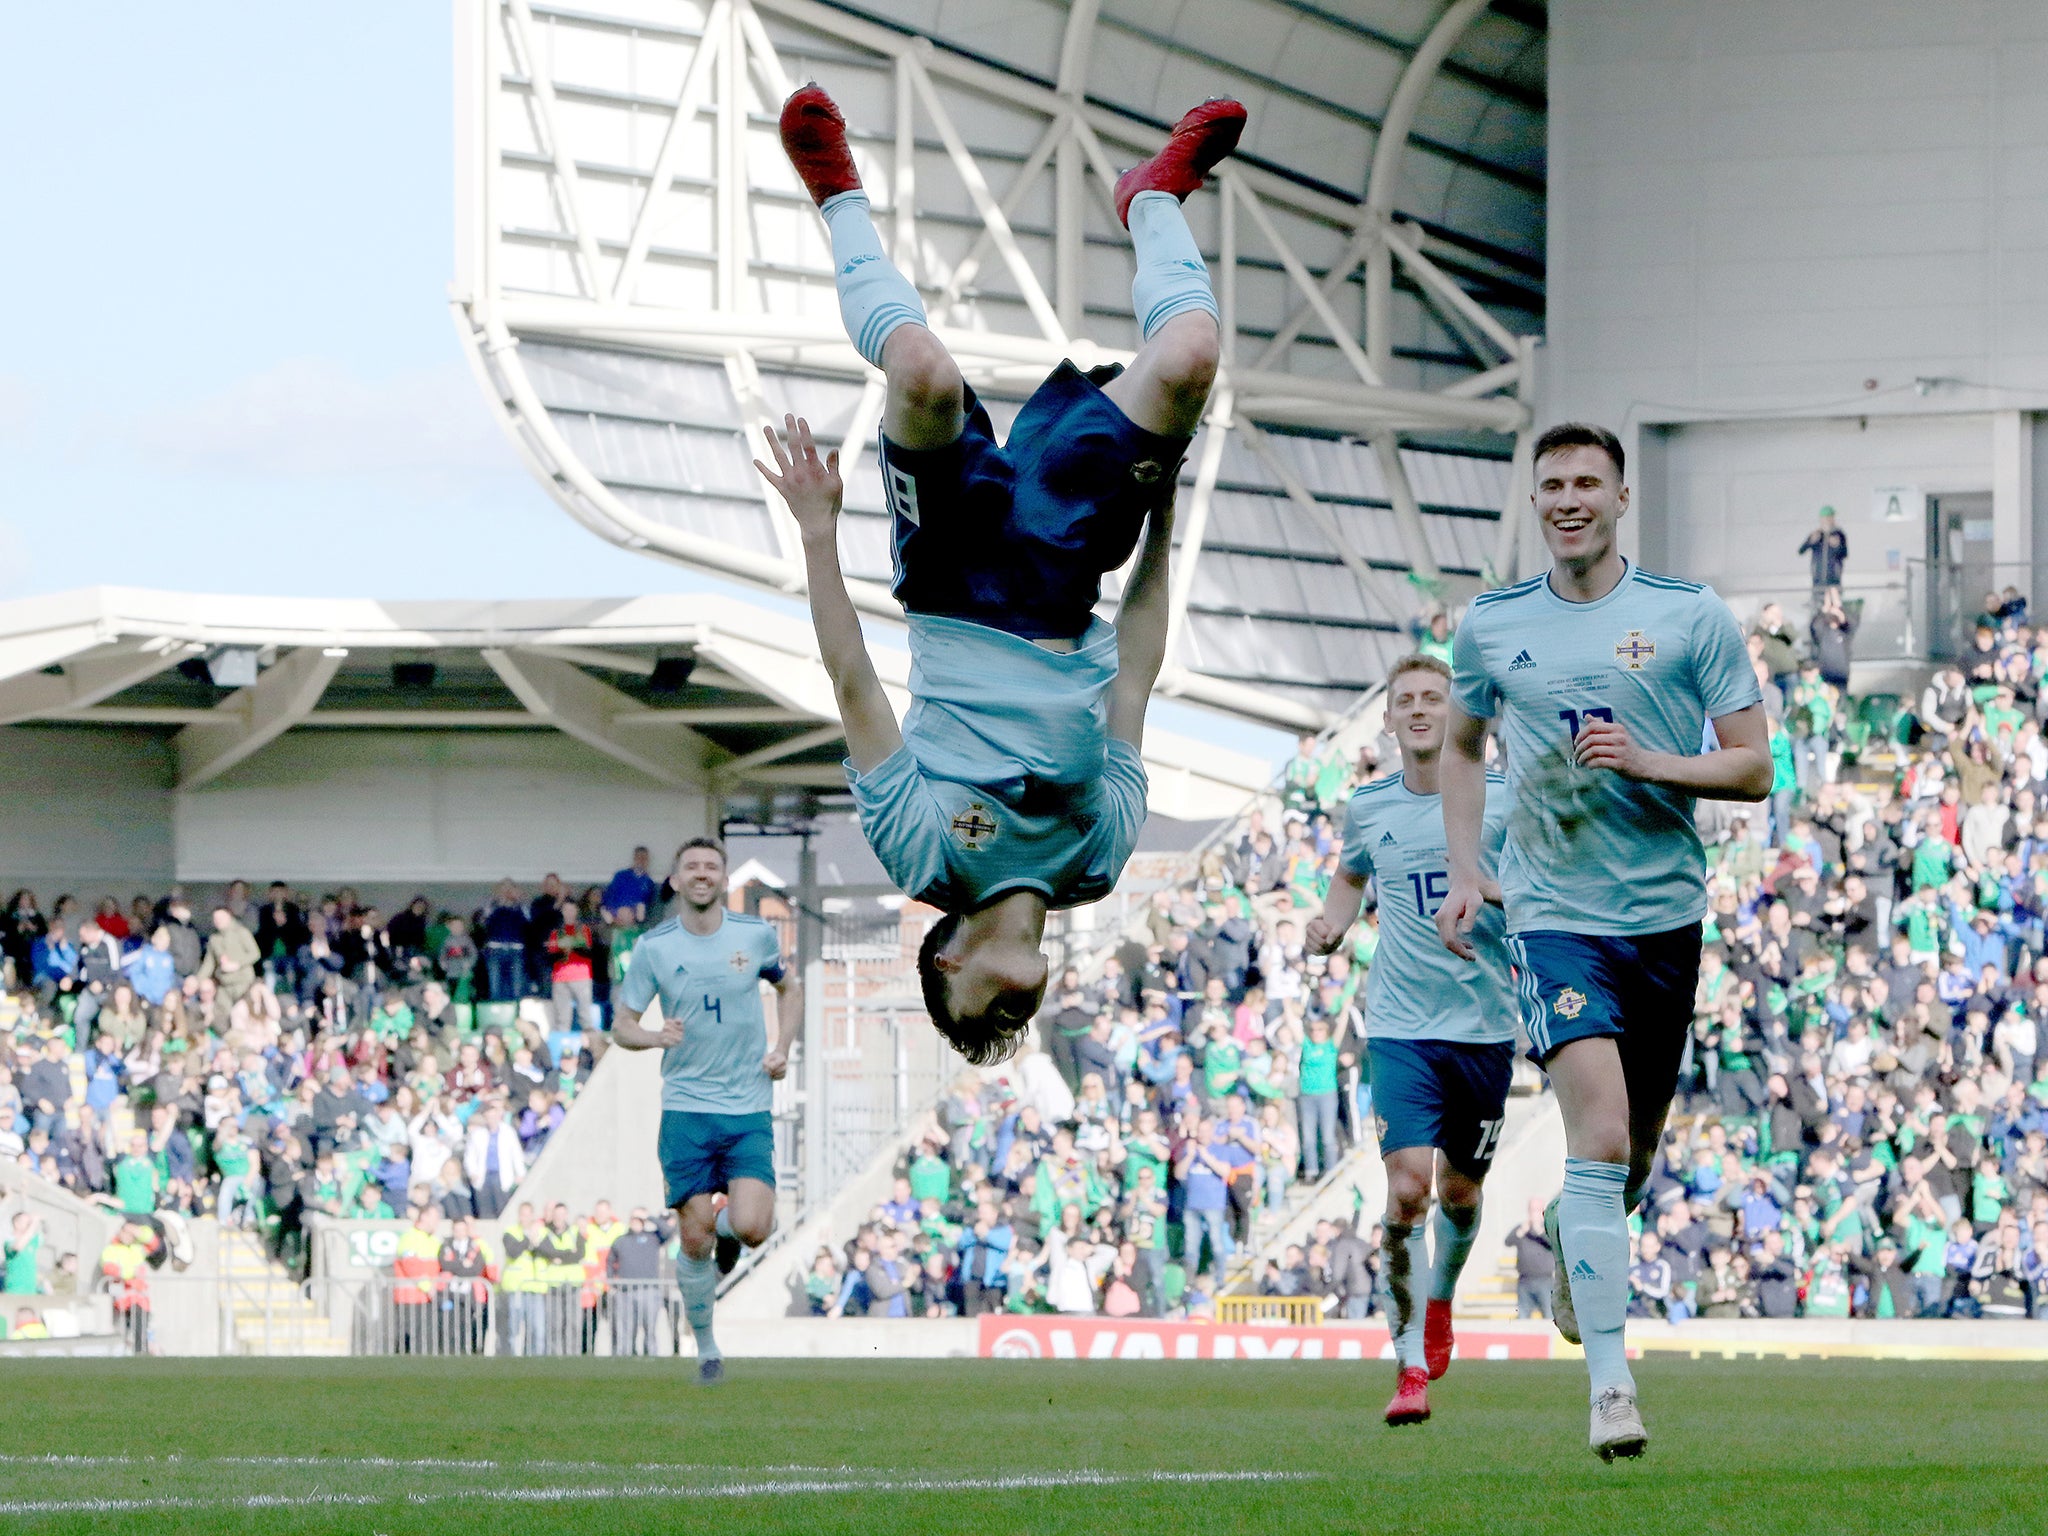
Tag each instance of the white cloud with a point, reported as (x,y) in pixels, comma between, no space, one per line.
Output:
(309,417)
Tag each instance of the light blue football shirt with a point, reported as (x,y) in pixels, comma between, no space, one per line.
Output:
(1589,851)
(1007,778)
(1417,989)
(711,985)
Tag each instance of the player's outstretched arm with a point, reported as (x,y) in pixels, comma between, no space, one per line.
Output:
(1739,769)
(628,1031)
(813,490)
(1327,928)
(1461,775)
(1141,630)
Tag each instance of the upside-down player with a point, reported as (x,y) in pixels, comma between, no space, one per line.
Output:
(1015,783)
(1440,1033)
(1603,677)
(717,1070)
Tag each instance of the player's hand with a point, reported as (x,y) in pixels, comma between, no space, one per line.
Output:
(776,1063)
(1322,936)
(811,486)
(671,1034)
(1606,744)
(1454,919)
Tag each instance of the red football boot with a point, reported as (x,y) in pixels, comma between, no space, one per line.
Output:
(1198,141)
(814,138)
(1436,1337)
(1411,1398)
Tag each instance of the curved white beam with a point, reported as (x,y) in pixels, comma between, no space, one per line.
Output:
(1384,177)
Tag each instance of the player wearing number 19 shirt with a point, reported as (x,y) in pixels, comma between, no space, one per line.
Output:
(1440,1033)
(1603,678)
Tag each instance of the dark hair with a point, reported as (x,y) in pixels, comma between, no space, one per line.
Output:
(1580,434)
(701,842)
(982,1040)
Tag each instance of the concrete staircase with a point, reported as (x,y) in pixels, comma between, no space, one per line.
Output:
(267,1310)
(1488,1291)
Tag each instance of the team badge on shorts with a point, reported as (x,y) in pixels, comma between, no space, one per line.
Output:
(1379,1127)
(1635,648)
(1147,471)
(1571,1002)
(974,827)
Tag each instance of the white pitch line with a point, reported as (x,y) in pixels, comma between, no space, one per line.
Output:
(766,1487)
(409,1464)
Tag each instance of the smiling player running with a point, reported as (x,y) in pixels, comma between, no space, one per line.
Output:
(1440,1033)
(1603,677)
(706,965)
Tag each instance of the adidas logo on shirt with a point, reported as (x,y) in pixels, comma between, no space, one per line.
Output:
(1522,662)
(1386,838)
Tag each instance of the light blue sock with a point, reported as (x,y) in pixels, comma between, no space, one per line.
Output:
(723,1226)
(1454,1228)
(1592,1224)
(874,298)
(1172,277)
(1407,1256)
(698,1281)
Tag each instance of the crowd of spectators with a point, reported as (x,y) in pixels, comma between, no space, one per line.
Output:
(266,1059)
(1862,1121)
(1123,1161)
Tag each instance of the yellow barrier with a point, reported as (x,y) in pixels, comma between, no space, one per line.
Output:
(1295,1311)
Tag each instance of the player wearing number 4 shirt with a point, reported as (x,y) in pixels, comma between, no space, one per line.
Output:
(1440,1032)
(1603,678)
(706,965)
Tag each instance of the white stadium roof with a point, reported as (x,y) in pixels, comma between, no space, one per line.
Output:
(642,282)
(698,692)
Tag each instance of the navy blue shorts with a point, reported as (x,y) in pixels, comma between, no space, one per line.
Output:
(1636,987)
(1018,537)
(1442,1094)
(701,1154)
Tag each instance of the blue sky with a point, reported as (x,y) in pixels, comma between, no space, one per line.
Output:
(228,364)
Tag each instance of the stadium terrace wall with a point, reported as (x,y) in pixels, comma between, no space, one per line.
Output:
(85,809)
(1795,257)
(92,809)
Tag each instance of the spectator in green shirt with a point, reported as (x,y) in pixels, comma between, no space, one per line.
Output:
(24,1256)
(138,1182)
(930,1178)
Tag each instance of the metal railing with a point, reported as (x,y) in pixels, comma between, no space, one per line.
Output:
(388,1314)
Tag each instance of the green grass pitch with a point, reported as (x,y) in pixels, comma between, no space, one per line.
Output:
(907,1448)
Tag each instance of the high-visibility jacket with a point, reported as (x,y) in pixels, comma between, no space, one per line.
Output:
(598,1238)
(562,1258)
(522,1273)
(417,1268)
(127,1265)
